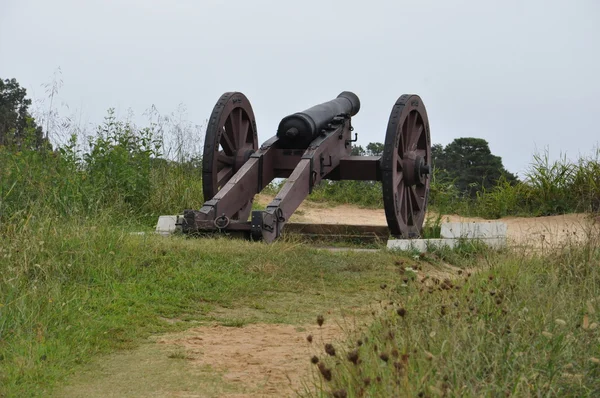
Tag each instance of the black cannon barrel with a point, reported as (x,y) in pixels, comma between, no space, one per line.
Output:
(299,129)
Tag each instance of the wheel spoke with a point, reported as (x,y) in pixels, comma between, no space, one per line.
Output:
(409,206)
(223,158)
(402,200)
(231,130)
(225,141)
(398,179)
(401,146)
(244,125)
(414,131)
(405,135)
(236,115)
(223,176)
(416,202)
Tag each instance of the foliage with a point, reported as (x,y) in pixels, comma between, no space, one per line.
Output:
(17,127)
(550,188)
(373,149)
(469,163)
(121,171)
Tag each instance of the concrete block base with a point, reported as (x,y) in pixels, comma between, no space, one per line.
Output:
(492,234)
(166,225)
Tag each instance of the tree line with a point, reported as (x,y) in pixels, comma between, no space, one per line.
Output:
(467,162)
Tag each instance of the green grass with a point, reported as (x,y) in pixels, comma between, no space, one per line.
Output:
(70,290)
(520,326)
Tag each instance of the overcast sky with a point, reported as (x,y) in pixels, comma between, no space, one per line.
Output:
(520,74)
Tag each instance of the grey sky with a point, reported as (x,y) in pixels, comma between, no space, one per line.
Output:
(520,74)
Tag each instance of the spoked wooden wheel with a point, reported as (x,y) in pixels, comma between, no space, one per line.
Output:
(405,167)
(231,138)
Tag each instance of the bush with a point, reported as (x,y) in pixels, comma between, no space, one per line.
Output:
(121,173)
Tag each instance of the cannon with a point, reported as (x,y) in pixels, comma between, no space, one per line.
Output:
(309,147)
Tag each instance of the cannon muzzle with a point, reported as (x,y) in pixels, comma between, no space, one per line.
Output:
(299,129)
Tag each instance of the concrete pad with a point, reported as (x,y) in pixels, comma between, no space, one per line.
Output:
(473,230)
(420,245)
(423,245)
(166,225)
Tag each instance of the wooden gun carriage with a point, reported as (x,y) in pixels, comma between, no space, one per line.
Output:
(309,146)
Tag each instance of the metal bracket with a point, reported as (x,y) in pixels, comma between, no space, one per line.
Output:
(348,142)
(311,180)
(256,224)
(323,165)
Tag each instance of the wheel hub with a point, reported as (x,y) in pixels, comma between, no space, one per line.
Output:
(415,170)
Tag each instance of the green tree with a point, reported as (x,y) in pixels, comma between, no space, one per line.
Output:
(470,164)
(373,149)
(357,150)
(17,127)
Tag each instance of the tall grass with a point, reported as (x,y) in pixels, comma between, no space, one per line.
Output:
(119,170)
(523,326)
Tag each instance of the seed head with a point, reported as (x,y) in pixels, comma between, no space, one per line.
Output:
(314,360)
(340,394)
(326,372)
(399,366)
(367,381)
(383,286)
(353,356)
(384,357)
(320,320)
(329,349)
(309,338)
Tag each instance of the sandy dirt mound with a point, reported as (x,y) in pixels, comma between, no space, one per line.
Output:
(263,359)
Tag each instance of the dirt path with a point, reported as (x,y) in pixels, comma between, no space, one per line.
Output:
(260,359)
